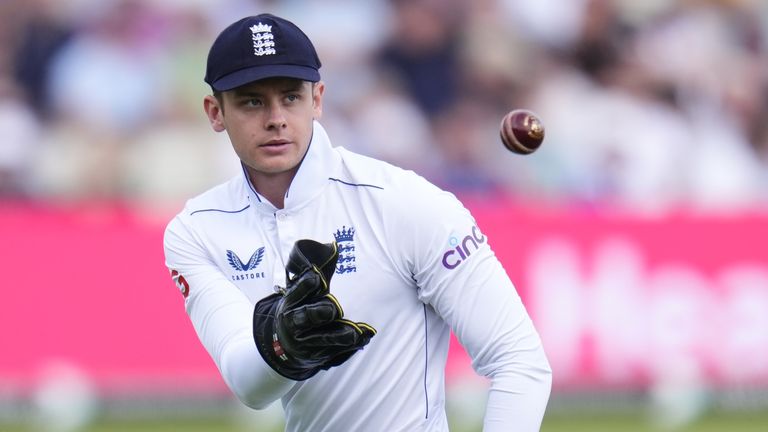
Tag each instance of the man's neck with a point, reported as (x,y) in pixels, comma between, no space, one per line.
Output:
(273,187)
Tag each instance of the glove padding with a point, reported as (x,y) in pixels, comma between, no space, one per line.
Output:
(301,330)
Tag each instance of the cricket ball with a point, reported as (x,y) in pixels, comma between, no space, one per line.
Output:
(521,131)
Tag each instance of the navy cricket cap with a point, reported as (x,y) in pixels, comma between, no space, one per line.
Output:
(259,47)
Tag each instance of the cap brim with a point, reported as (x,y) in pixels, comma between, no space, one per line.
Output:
(248,75)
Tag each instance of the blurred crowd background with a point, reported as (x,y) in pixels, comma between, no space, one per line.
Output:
(649,105)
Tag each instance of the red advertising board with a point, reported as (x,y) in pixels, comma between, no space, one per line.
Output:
(628,300)
(620,299)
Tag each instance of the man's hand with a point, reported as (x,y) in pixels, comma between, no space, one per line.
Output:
(301,330)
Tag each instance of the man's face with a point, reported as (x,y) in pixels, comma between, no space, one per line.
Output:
(269,122)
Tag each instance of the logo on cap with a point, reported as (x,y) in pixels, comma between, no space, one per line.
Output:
(260,47)
(263,39)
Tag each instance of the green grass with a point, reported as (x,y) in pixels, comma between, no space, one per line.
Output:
(743,422)
(731,422)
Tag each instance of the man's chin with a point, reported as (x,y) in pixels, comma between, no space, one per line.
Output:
(275,167)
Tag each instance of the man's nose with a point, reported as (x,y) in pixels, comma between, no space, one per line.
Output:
(276,117)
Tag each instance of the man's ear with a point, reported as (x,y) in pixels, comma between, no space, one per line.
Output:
(215,113)
(317,99)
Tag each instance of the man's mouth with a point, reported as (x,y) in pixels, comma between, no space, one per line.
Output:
(276,143)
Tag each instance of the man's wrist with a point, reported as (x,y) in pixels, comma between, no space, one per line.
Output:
(269,346)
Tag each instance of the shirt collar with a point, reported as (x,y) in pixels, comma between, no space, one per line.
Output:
(319,163)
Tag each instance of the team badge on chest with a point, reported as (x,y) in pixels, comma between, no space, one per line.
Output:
(345,239)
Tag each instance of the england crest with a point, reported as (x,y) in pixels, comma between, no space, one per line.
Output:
(263,40)
(345,239)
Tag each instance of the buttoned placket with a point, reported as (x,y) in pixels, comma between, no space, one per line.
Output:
(283,229)
(286,236)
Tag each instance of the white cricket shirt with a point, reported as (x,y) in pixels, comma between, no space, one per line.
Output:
(413,264)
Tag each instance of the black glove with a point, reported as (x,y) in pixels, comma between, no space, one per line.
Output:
(300,330)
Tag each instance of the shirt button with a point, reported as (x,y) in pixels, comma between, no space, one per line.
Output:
(281,217)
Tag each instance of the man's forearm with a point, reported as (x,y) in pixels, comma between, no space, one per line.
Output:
(249,377)
(517,402)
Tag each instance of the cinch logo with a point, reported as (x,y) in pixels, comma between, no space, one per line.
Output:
(462,250)
(236,263)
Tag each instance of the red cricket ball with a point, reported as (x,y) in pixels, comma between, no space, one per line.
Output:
(521,131)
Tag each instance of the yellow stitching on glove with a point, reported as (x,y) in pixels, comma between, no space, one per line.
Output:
(336,302)
(333,255)
(322,278)
(368,326)
(357,325)
(351,323)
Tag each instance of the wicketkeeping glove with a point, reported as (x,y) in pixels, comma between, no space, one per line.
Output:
(301,330)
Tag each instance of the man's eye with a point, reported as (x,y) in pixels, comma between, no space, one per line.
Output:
(253,102)
(292,98)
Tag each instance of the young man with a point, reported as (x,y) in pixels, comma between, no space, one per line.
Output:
(276,264)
